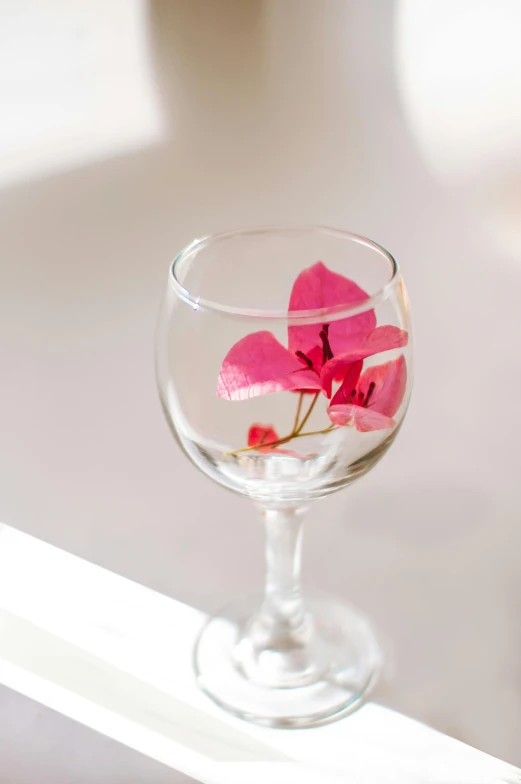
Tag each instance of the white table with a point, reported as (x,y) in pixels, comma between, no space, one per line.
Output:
(116,656)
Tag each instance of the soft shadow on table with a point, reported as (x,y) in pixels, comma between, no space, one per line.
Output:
(433,574)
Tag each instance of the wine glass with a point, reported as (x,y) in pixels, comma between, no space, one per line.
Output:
(284,364)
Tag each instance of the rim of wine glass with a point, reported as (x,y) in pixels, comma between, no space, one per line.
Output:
(333,313)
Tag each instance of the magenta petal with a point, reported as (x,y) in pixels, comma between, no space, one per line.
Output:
(384,339)
(335,368)
(378,340)
(364,419)
(258,365)
(390,380)
(344,394)
(318,288)
(262,434)
(387,383)
(315,356)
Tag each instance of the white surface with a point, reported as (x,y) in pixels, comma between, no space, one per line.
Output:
(283,111)
(41,746)
(116,657)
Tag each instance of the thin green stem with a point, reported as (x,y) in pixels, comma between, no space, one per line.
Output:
(296,431)
(309,412)
(315,432)
(252,448)
(284,440)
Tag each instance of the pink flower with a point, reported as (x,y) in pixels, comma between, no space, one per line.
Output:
(262,434)
(370,400)
(316,354)
(317,288)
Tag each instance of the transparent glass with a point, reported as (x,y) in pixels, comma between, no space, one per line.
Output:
(284,367)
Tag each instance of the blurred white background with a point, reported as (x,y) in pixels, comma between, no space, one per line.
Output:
(130,127)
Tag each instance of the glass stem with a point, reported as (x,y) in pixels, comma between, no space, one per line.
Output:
(283,607)
(276,646)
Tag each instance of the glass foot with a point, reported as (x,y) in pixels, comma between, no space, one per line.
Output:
(323,676)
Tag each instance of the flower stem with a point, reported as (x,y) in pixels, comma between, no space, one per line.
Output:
(315,432)
(310,410)
(296,431)
(283,440)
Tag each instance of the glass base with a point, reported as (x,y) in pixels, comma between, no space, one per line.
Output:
(326,676)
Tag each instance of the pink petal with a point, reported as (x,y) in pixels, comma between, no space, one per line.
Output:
(390,380)
(258,365)
(315,355)
(344,393)
(379,340)
(265,434)
(384,339)
(364,419)
(262,434)
(318,288)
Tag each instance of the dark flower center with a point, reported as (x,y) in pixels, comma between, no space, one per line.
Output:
(361,401)
(370,391)
(304,358)
(327,353)
(326,348)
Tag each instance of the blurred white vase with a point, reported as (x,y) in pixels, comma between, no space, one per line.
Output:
(458,69)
